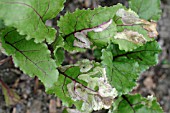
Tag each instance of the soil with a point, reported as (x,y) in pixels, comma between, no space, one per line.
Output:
(155,81)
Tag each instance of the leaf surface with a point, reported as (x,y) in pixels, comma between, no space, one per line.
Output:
(136,104)
(1,25)
(123,68)
(132,32)
(33,59)
(59,53)
(87,28)
(29,17)
(146,9)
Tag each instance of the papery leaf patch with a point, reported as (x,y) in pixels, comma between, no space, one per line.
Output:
(130,36)
(128,17)
(84,42)
(151,28)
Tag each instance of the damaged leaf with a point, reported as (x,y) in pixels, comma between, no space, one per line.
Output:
(133,32)
(93,99)
(93,27)
(151,28)
(83,41)
(82,36)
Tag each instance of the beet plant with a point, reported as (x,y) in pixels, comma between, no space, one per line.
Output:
(121,39)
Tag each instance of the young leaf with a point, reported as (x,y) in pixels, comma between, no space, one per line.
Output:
(29,17)
(136,104)
(33,59)
(116,63)
(86,28)
(146,9)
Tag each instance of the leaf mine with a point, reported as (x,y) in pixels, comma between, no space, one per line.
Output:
(129,17)
(83,41)
(131,36)
(102,98)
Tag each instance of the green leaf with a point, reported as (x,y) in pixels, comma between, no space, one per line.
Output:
(87,28)
(119,76)
(61,91)
(136,104)
(29,17)
(146,9)
(1,25)
(59,56)
(146,55)
(123,68)
(33,59)
(59,53)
